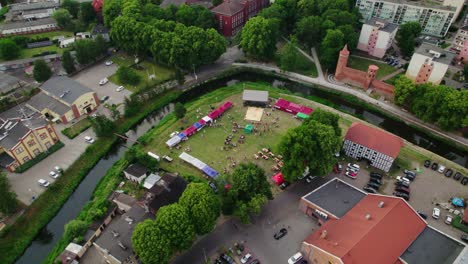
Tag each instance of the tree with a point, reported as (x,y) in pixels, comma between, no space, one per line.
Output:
(330,48)
(68,63)
(248,180)
(64,19)
(404,90)
(8,49)
(41,71)
(151,243)
(75,229)
(103,126)
(174,221)
(111,9)
(101,45)
(179,110)
(406,35)
(87,51)
(86,14)
(258,38)
(127,75)
(288,57)
(202,205)
(8,202)
(351,37)
(73,7)
(308,30)
(326,118)
(216,2)
(312,145)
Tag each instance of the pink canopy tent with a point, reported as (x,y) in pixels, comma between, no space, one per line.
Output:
(278,178)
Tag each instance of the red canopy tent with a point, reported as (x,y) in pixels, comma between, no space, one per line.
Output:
(190,131)
(278,178)
(292,108)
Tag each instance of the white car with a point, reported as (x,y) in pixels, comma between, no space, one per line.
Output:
(58,169)
(43,183)
(89,139)
(448,220)
(353,166)
(103,81)
(441,169)
(119,89)
(401,178)
(109,63)
(54,174)
(436,213)
(246,258)
(295,258)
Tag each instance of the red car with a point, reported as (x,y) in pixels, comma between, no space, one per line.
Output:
(351,174)
(337,168)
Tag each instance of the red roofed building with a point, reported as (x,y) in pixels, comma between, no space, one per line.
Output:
(231,15)
(380,148)
(97,5)
(378,229)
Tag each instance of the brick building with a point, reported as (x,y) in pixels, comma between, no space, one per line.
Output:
(376,37)
(231,15)
(378,147)
(365,80)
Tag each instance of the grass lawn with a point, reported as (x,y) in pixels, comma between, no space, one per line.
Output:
(363,64)
(76,129)
(394,78)
(51,34)
(303,65)
(162,73)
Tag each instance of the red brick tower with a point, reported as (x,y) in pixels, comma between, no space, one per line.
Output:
(342,62)
(370,76)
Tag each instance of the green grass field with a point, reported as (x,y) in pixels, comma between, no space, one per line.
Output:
(149,68)
(363,64)
(76,129)
(303,65)
(51,34)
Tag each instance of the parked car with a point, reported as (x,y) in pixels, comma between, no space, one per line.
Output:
(284,185)
(119,89)
(227,258)
(104,98)
(457,176)
(423,215)
(109,63)
(448,173)
(376,175)
(374,185)
(351,174)
(281,233)
(337,168)
(409,172)
(435,213)
(448,219)
(464,238)
(410,177)
(54,174)
(441,169)
(434,166)
(402,195)
(213,187)
(402,183)
(246,258)
(295,258)
(403,189)
(103,81)
(369,189)
(310,178)
(218,261)
(354,166)
(427,163)
(255,261)
(464,181)
(43,183)
(89,139)
(377,181)
(58,169)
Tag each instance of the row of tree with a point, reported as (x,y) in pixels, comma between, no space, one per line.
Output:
(75,16)
(445,106)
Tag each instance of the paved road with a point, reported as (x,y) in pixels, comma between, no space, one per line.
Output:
(281,212)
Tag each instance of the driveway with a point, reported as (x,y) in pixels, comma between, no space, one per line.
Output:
(25,184)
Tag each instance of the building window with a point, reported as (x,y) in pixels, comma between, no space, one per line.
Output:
(19,150)
(25,159)
(31,143)
(48,144)
(50,130)
(43,136)
(36,152)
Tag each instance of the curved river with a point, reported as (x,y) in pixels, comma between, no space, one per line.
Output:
(49,236)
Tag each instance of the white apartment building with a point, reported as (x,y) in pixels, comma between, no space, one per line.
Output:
(377,36)
(435,17)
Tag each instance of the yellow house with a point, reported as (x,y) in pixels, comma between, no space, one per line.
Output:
(23,140)
(63,99)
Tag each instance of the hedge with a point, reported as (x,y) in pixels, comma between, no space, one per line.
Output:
(39,157)
(71,132)
(457,224)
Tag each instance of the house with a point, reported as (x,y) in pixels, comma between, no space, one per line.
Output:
(435,17)
(28,27)
(429,64)
(136,172)
(151,180)
(31,11)
(65,43)
(377,36)
(123,201)
(166,191)
(71,255)
(231,15)
(378,147)
(64,99)
(24,63)
(460,44)
(100,30)
(9,83)
(372,228)
(255,98)
(23,140)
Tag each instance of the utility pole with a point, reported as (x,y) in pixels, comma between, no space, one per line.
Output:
(194,73)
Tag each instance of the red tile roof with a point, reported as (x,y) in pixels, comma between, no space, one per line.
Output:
(382,238)
(375,139)
(228,7)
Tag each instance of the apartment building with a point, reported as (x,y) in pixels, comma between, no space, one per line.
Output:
(377,36)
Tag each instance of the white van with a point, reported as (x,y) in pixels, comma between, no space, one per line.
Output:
(89,139)
(295,258)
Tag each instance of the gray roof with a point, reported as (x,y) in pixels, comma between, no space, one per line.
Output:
(65,88)
(41,101)
(5,159)
(136,169)
(388,27)
(432,247)
(33,6)
(446,57)
(30,60)
(166,3)
(23,24)
(255,96)
(100,29)
(119,224)
(17,112)
(336,197)
(13,134)
(7,82)
(425,3)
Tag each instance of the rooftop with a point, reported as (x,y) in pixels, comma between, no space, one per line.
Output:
(228,7)
(34,6)
(336,197)
(5,159)
(11,132)
(425,3)
(100,29)
(387,27)
(432,247)
(23,24)
(433,51)
(253,95)
(42,101)
(375,139)
(168,193)
(136,169)
(7,82)
(123,199)
(65,88)
(17,112)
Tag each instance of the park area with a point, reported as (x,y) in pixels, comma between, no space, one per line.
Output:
(145,70)
(362,64)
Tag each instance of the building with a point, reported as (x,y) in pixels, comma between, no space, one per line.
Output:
(377,36)
(71,254)
(63,99)
(429,64)
(31,11)
(123,201)
(23,140)
(255,98)
(166,191)
(231,15)
(136,172)
(28,27)
(435,17)
(24,63)
(100,30)
(378,147)
(9,83)
(371,228)
(460,44)
(364,80)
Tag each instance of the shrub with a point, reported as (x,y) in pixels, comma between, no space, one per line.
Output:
(127,75)
(39,157)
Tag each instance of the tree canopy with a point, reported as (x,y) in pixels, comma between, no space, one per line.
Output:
(9,49)
(179,110)
(75,229)
(406,35)
(330,48)
(326,118)
(247,180)
(41,71)
(68,62)
(103,126)
(174,221)
(151,243)
(7,196)
(258,38)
